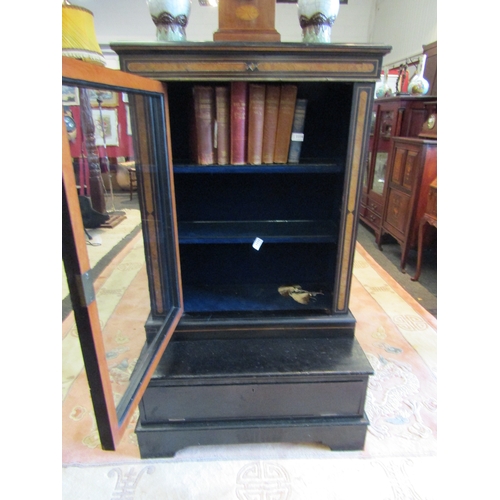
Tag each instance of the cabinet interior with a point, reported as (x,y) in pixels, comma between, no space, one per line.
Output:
(295,209)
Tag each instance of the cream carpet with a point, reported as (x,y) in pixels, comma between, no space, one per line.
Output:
(399,460)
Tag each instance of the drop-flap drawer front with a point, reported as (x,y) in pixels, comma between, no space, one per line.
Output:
(248,68)
(339,398)
(219,61)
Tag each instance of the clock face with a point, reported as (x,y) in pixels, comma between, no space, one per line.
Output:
(247,12)
(431,122)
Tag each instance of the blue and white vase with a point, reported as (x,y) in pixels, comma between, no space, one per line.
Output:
(316,18)
(171,18)
(418,84)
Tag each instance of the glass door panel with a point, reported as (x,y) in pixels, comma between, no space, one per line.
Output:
(117,182)
(383,146)
(379,172)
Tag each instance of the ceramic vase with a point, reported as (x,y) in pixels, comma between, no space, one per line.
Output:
(171,18)
(384,90)
(418,84)
(316,18)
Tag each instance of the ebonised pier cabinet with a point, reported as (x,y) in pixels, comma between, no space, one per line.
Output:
(246,363)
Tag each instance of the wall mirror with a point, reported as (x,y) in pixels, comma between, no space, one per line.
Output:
(125,306)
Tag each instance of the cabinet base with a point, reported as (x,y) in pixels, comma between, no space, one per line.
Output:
(339,434)
(255,391)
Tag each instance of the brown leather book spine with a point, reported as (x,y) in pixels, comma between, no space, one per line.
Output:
(204,109)
(238,122)
(256,102)
(270,122)
(222,124)
(285,122)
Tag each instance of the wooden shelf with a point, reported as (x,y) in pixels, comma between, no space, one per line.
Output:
(232,298)
(269,231)
(302,168)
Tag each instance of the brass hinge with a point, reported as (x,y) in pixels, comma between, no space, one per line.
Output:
(85,286)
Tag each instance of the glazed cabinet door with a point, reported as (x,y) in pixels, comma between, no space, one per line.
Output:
(122,339)
(413,167)
(401,187)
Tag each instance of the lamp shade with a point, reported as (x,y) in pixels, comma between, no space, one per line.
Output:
(79,40)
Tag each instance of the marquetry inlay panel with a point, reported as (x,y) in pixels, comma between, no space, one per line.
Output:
(399,160)
(362,102)
(410,167)
(145,171)
(397,210)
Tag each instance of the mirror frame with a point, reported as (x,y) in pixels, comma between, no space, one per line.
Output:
(163,276)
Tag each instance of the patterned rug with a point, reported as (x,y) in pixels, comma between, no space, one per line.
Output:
(399,338)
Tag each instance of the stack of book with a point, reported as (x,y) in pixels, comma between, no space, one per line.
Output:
(247,123)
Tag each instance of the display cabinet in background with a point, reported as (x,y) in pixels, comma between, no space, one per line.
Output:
(399,116)
(430,73)
(411,172)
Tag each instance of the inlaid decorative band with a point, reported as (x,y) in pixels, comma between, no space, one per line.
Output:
(165,19)
(317,19)
(302,69)
(350,221)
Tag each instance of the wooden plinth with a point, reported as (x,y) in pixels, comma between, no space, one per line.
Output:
(339,434)
(255,391)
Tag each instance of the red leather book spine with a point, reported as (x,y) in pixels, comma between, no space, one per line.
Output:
(238,120)
(285,122)
(256,102)
(222,121)
(270,122)
(204,110)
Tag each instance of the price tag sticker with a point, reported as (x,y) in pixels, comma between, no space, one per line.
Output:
(257,243)
(297,137)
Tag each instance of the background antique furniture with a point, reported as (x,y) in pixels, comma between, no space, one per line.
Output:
(428,219)
(401,116)
(412,169)
(430,72)
(126,176)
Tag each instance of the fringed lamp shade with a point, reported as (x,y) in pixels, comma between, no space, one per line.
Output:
(79,40)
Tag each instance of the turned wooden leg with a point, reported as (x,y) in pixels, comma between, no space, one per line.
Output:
(404,255)
(422,226)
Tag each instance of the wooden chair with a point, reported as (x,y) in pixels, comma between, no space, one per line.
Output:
(428,219)
(126,176)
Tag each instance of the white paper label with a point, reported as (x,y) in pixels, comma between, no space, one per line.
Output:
(297,137)
(257,243)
